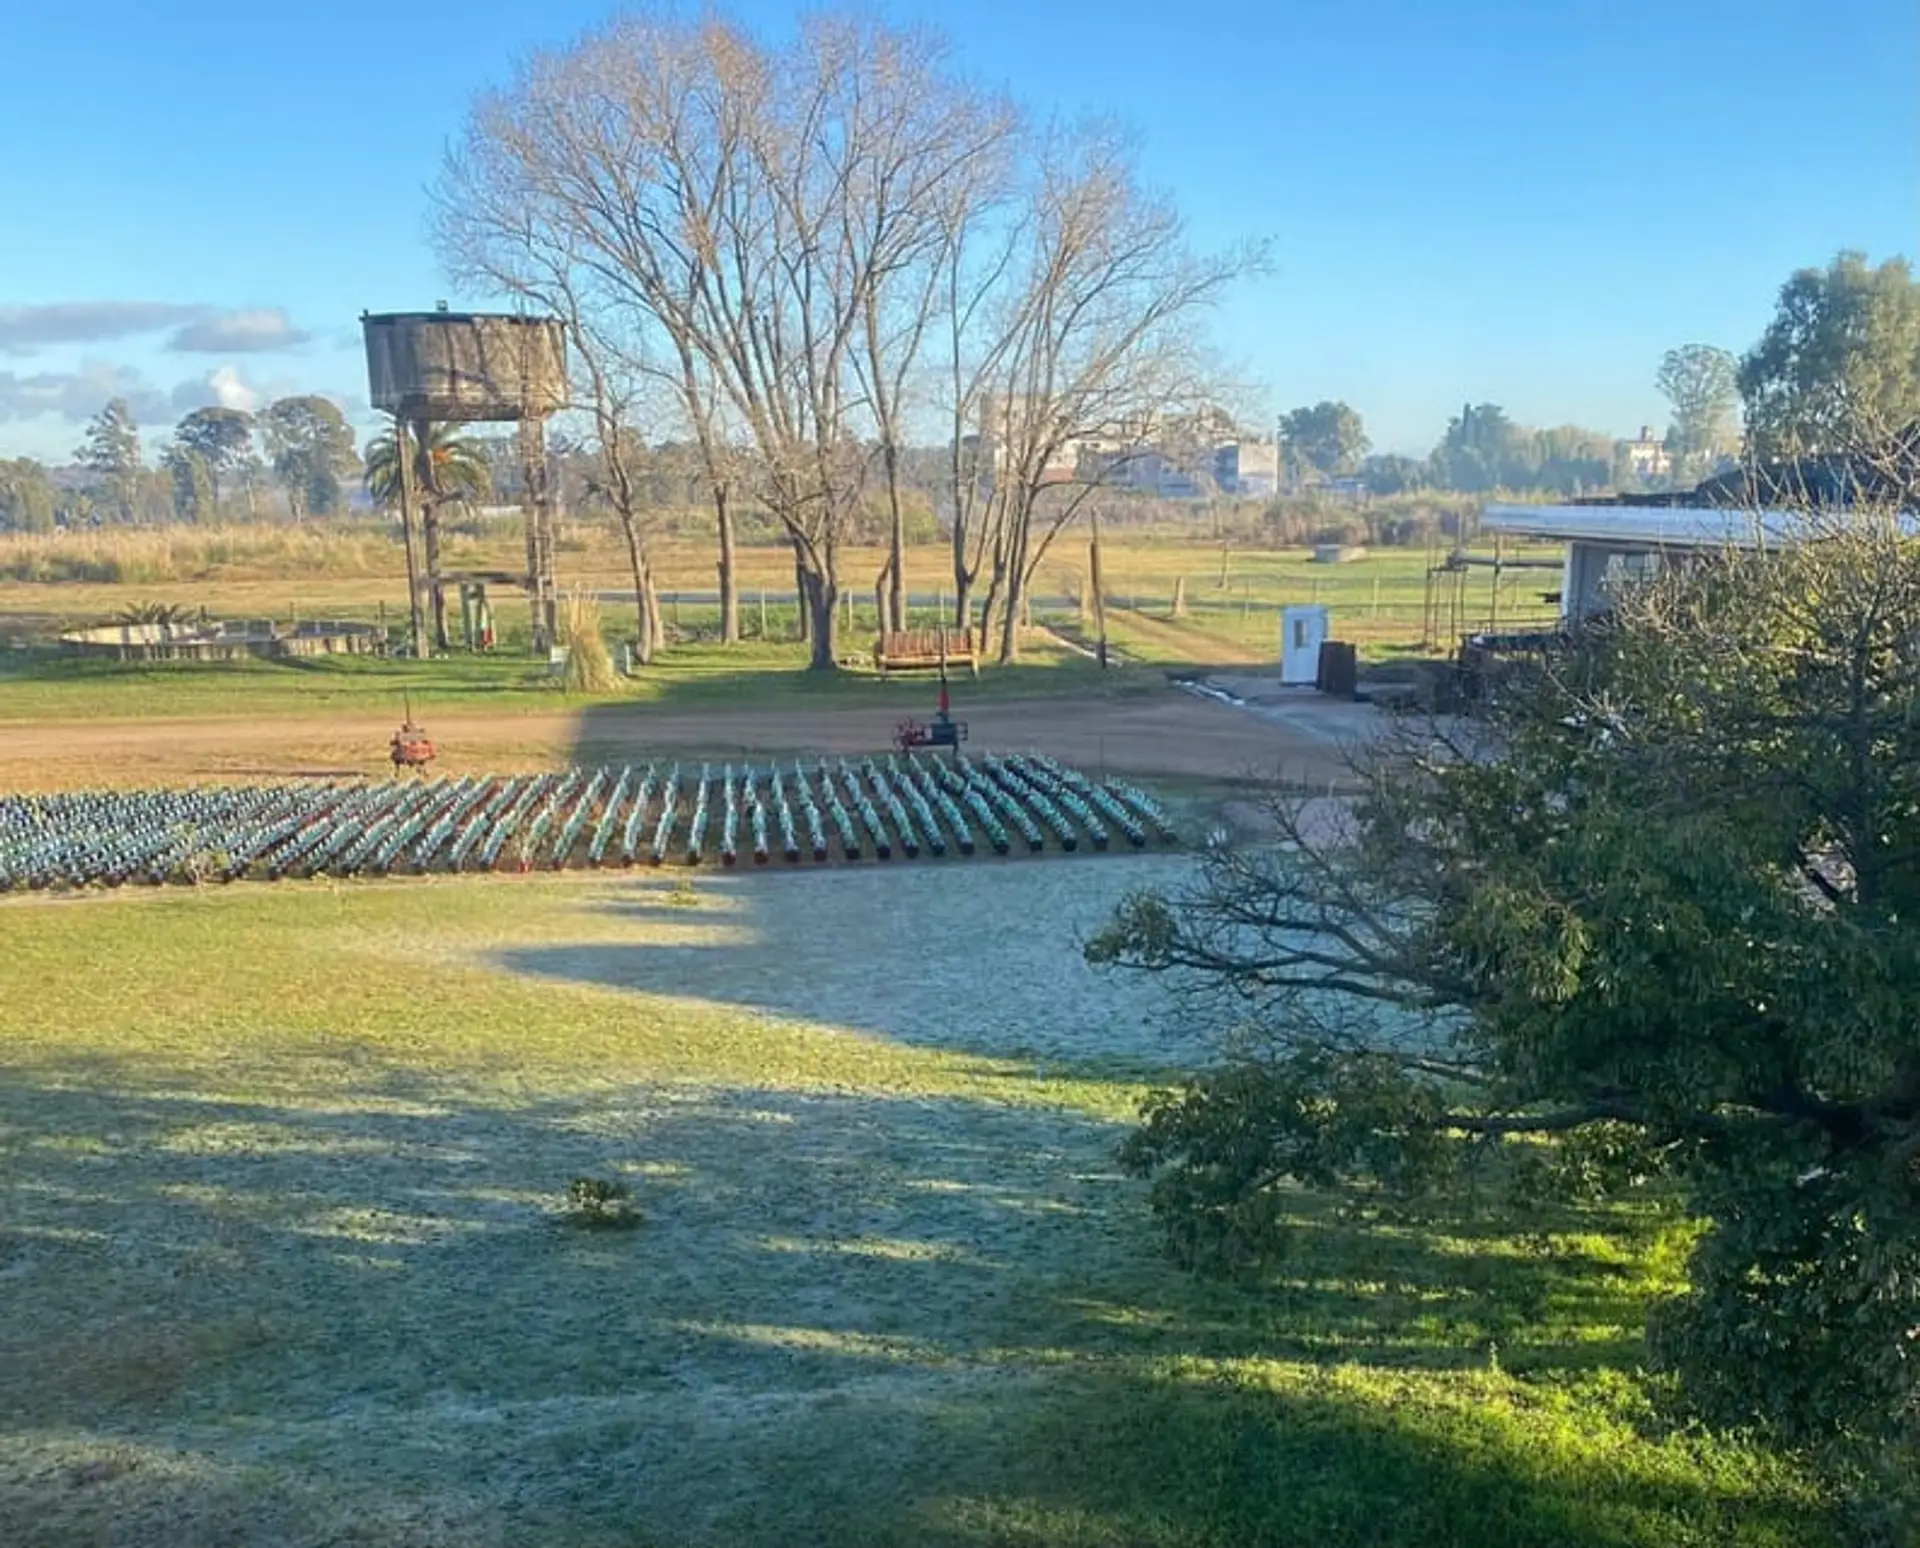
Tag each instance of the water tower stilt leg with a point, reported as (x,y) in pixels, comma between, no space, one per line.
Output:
(537,504)
(405,439)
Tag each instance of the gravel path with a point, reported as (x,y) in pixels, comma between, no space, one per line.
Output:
(1170,734)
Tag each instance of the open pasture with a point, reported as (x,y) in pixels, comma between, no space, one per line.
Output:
(907,806)
(1230,590)
(285,1257)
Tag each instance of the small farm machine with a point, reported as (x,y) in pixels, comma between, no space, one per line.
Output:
(942,731)
(411,747)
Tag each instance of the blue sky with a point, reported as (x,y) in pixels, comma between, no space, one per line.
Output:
(1517,203)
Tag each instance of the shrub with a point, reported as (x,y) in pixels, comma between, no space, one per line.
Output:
(601,1204)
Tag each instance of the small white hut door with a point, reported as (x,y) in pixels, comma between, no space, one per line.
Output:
(1303,630)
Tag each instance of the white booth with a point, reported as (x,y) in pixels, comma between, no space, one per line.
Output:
(1303,630)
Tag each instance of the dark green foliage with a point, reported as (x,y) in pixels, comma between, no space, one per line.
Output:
(451,466)
(601,1204)
(1839,365)
(221,438)
(27,496)
(1699,381)
(1810,1284)
(193,486)
(111,452)
(310,446)
(1653,920)
(1218,1147)
(1328,438)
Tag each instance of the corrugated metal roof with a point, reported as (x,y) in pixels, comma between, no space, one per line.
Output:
(1643,527)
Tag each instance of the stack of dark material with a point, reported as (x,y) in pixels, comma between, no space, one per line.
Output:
(1339,670)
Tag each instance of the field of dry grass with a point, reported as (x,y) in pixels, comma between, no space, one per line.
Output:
(1233,592)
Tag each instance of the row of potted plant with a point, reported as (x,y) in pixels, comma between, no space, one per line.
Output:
(906,804)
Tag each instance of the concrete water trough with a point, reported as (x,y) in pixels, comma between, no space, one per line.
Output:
(227,639)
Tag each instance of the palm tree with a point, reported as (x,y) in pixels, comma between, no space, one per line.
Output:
(453,468)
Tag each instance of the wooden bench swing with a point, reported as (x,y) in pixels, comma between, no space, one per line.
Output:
(910,650)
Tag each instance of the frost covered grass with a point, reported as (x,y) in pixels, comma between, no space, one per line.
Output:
(284,1259)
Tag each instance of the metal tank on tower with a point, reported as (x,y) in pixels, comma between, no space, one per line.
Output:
(441,367)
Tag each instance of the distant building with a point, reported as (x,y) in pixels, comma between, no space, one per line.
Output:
(1184,458)
(1646,457)
(1247,468)
(1143,470)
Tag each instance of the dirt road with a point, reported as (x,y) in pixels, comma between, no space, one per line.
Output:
(1160,734)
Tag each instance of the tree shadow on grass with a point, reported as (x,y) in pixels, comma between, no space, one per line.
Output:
(997,971)
(843,1318)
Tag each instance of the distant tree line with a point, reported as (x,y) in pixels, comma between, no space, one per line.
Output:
(297,452)
(1842,350)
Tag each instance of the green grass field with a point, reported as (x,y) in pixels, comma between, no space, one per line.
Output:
(48,686)
(284,1260)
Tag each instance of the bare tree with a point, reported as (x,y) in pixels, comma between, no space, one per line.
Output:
(953,156)
(738,213)
(778,234)
(621,454)
(1091,345)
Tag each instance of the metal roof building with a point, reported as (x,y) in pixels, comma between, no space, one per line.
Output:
(1611,545)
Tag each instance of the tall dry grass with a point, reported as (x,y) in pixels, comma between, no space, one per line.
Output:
(137,556)
(589,666)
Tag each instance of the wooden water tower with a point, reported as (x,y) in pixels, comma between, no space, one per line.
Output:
(475,367)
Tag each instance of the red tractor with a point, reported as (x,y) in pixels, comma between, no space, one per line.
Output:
(943,731)
(411,747)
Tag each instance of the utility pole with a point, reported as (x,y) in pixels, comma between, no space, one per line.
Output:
(1099,582)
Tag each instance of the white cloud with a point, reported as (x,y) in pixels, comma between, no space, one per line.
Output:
(76,396)
(231,391)
(24,329)
(198,329)
(241,332)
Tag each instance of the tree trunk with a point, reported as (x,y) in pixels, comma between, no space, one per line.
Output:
(803,600)
(896,542)
(1010,620)
(884,618)
(656,627)
(644,636)
(821,609)
(436,587)
(636,562)
(990,609)
(729,571)
(962,578)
